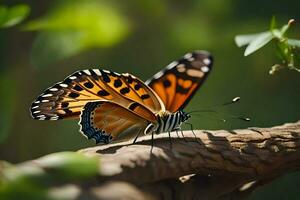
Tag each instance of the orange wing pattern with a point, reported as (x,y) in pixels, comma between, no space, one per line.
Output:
(66,99)
(106,121)
(178,82)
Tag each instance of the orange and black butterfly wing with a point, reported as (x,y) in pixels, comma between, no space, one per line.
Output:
(106,121)
(66,99)
(178,82)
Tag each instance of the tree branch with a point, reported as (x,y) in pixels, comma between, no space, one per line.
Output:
(253,152)
(213,165)
(224,161)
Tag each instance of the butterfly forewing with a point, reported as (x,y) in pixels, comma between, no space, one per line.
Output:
(66,99)
(178,82)
(128,86)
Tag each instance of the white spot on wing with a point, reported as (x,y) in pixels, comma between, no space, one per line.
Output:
(47,95)
(35,112)
(97,71)
(205,69)
(41,117)
(72,77)
(45,101)
(54,118)
(106,71)
(34,107)
(53,89)
(195,73)
(133,77)
(188,55)
(206,61)
(87,72)
(37,102)
(181,68)
(191,59)
(63,85)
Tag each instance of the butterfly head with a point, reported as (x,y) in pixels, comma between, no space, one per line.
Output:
(184,116)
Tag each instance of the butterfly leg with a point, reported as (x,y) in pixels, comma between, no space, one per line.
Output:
(192,129)
(136,137)
(170,139)
(152,141)
(183,135)
(177,134)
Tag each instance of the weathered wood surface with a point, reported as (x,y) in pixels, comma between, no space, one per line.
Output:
(214,165)
(220,164)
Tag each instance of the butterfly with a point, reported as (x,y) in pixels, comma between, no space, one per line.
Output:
(113,107)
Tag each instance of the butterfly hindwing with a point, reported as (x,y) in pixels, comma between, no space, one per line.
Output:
(178,82)
(66,99)
(106,121)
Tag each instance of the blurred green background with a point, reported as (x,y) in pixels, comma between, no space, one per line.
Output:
(142,37)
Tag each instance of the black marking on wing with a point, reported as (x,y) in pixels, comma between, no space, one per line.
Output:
(103,93)
(105,76)
(125,90)
(133,106)
(193,67)
(118,83)
(88,85)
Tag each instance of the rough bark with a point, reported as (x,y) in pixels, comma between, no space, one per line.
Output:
(214,165)
(209,165)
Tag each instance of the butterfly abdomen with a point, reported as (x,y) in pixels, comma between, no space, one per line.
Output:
(170,121)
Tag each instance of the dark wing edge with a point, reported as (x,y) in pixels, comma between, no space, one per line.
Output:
(194,66)
(46,104)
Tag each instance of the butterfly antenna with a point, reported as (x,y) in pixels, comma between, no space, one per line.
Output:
(247,119)
(213,118)
(234,100)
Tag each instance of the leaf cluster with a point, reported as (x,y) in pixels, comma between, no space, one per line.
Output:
(13,15)
(32,181)
(286,48)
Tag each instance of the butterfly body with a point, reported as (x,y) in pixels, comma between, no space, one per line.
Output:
(114,107)
(167,122)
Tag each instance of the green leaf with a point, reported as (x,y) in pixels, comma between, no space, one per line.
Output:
(14,15)
(284,52)
(76,26)
(284,29)
(277,33)
(273,23)
(70,164)
(259,41)
(294,42)
(32,180)
(242,40)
